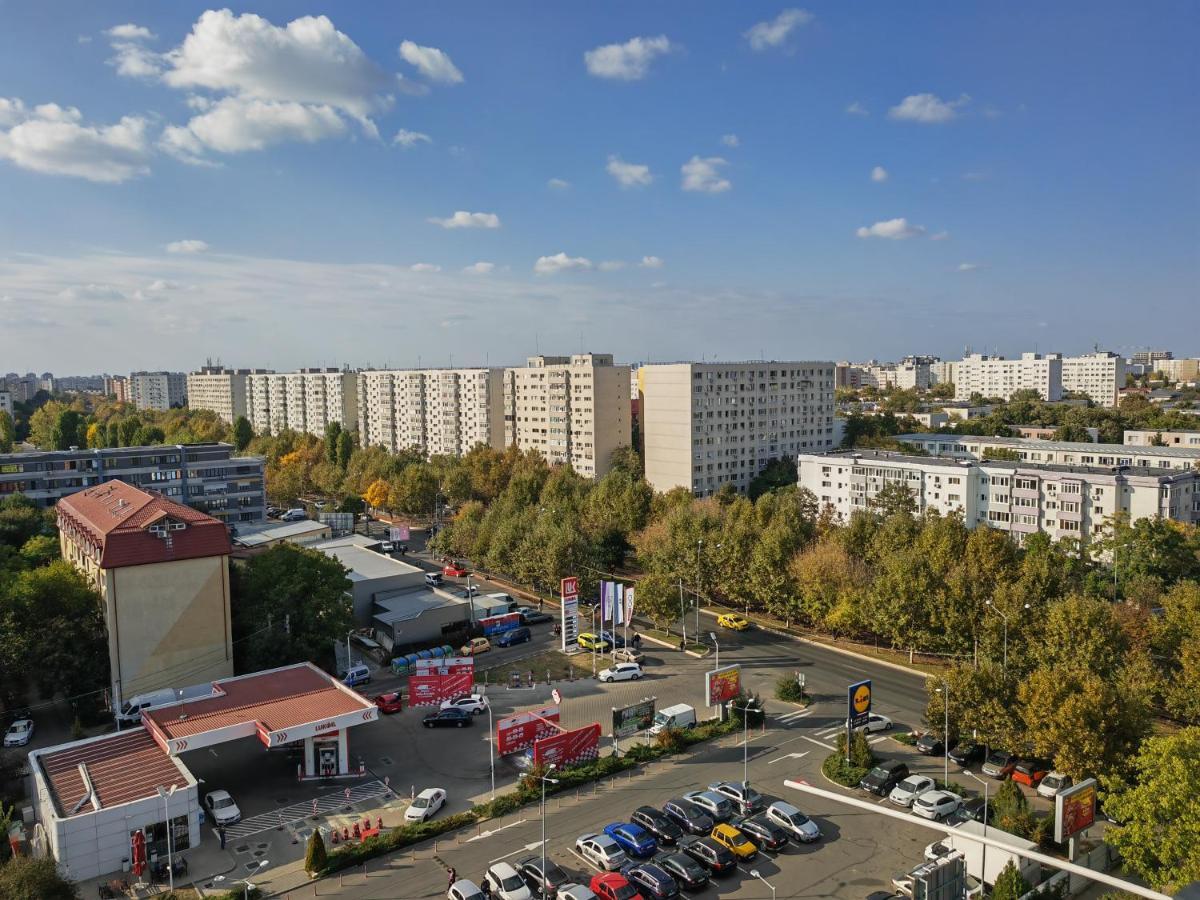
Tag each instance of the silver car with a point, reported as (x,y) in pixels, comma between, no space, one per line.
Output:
(798,826)
(720,808)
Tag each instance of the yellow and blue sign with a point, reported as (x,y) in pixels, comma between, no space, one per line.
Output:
(858,703)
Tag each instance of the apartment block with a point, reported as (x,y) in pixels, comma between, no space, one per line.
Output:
(1185,370)
(1162,438)
(574,410)
(117,387)
(6,401)
(709,424)
(995,376)
(1067,453)
(944,372)
(221,390)
(437,411)
(1151,358)
(307,400)
(205,476)
(157,390)
(1061,501)
(1097,375)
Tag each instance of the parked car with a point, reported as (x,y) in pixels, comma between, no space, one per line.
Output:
(735,841)
(601,851)
(219,804)
(614,886)
(965,754)
(652,881)
(657,822)
(454,570)
(387,547)
(589,641)
(799,827)
(678,716)
(745,799)
(447,718)
(425,805)
(390,703)
(475,646)
(475,704)
(621,672)
(629,654)
(931,744)
(908,790)
(885,776)
(688,816)
(465,889)
(633,839)
(762,830)
(720,808)
(614,638)
(434,579)
(19,733)
(469,591)
(359,673)
(514,636)
(573,891)
(1052,784)
(999,764)
(972,809)
(503,883)
(733,622)
(1030,772)
(704,850)
(875,722)
(531,616)
(688,873)
(936,805)
(542,883)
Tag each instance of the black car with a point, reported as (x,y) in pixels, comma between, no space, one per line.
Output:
(971,809)
(688,873)
(652,881)
(657,822)
(930,744)
(688,816)
(717,859)
(531,873)
(447,718)
(762,831)
(531,616)
(886,775)
(965,754)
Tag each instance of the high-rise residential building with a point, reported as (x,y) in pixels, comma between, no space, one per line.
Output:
(6,401)
(83,384)
(1151,358)
(307,400)
(221,390)
(24,387)
(1064,453)
(944,372)
(574,410)
(436,411)
(1185,370)
(158,390)
(915,372)
(995,376)
(117,387)
(709,424)
(1097,375)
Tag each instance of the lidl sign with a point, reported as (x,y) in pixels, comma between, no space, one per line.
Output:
(858,703)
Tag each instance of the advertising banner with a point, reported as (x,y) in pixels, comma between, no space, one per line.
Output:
(518,732)
(569,747)
(1074,809)
(858,703)
(500,624)
(569,594)
(723,684)
(398,534)
(435,680)
(631,719)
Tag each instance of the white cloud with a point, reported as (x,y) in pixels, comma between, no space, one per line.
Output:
(409,139)
(626,62)
(651,262)
(940,236)
(560,262)
(967,267)
(480,268)
(464,219)
(424,267)
(773,33)
(130,32)
(704,175)
(928,109)
(92,292)
(857,109)
(611,265)
(730,140)
(431,62)
(236,124)
(628,174)
(189,246)
(132,59)
(51,139)
(558,184)
(879,173)
(892,229)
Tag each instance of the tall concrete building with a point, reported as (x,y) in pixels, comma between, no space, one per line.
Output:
(995,376)
(158,390)
(306,400)
(1186,370)
(1097,375)
(574,410)
(437,411)
(709,424)
(6,401)
(1151,358)
(221,390)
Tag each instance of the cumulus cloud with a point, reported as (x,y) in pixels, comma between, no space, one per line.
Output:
(131,57)
(464,219)
(651,262)
(704,175)
(730,140)
(856,109)
(236,124)
(560,262)
(879,173)
(480,268)
(558,184)
(409,139)
(53,140)
(772,33)
(628,174)
(188,246)
(629,61)
(431,62)
(130,32)
(424,267)
(967,267)
(891,229)
(928,109)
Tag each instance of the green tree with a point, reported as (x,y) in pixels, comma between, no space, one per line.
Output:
(414,490)
(1078,633)
(66,432)
(657,598)
(345,449)
(8,431)
(40,550)
(243,434)
(894,498)
(20,520)
(43,424)
(777,473)
(112,434)
(129,428)
(31,878)
(1010,885)
(830,584)
(315,858)
(149,436)
(333,432)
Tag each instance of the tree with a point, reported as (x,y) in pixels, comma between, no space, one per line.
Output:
(243,434)
(32,878)
(345,449)
(377,493)
(149,436)
(128,428)
(657,598)
(1078,633)
(8,431)
(414,490)
(830,583)
(1072,433)
(315,858)
(333,431)
(1010,885)
(40,550)
(777,473)
(43,424)
(66,431)
(894,498)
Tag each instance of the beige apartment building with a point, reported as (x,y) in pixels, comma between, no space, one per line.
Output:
(1097,375)
(157,390)
(574,410)
(1133,438)
(437,411)
(709,424)
(307,400)
(1185,370)
(995,376)
(221,390)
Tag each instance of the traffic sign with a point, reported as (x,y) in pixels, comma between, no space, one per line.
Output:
(858,703)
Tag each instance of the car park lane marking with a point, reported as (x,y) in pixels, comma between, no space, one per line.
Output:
(534,846)
(820,743)
(787,756)
(793,716)
(488,834)
(330,803)
(587,862)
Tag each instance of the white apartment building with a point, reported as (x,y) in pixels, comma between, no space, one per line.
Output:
(709,424)
(1097,375)
(6,401)
(944,372)
(995,376)
(574,410)
(437,411)
(157,390)
(1151,358)
(1168,438)
(1063,453)
(1061,501)
(307,400)
(221,390)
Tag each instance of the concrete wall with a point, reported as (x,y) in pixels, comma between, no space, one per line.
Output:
(363,592)
(611,411)
(667,425)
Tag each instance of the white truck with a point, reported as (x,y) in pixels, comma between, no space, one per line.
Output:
(986,863)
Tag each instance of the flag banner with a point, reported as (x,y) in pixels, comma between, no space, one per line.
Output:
(618,603)
(629,605)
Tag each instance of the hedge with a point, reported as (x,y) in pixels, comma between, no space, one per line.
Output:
(836,769)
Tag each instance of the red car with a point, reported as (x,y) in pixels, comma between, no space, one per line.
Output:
(453,570)
(614,886)
(389,703)
(1030,772)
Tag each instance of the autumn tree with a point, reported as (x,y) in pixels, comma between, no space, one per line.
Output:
(243,434)
(830,583)
(8,431)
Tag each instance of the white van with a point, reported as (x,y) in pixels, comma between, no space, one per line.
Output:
(505,599)
(294,515)
(678,716)
(131,710)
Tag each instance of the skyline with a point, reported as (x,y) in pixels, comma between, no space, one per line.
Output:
(756,181)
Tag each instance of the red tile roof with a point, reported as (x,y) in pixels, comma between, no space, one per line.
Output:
(122,767)
(115,519)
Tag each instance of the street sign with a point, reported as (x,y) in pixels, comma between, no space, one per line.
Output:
(800,679)
(569,595)
(858,703)
(556,695)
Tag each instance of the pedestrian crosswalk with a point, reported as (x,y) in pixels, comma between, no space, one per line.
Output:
(298,811)
(792,717)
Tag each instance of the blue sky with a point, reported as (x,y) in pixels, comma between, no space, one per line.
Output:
(697,179)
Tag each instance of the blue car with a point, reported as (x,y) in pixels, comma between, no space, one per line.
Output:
(633,839)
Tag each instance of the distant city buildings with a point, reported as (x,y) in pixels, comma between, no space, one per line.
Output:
(995,376)
(221,390)
(912,372)
(1180,370)
(1162,438)
(436,411)
(6,401)
(157,390)
(24,387)
(1098,376)
(1150,358)
(1065,453)
(117,386)
(307,400)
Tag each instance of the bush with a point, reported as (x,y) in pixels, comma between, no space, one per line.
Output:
(755,710)
(837,770)
(1009,884)
(903,737)
(670,740)
(789,690)
(861,754)
(315,857)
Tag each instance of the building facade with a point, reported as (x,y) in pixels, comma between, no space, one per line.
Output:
(709,424)
(437,411)
(1186,370)
(1151,358)
(1097,375)
(307,400)
(221,390)
(157,390)
(1066,453)
(6,401)
(1162,438)
(995,376)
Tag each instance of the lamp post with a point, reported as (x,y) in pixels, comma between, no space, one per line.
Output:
(758,875)
(746,741)
(1004,617)
(349,658)
(945,692)
(699,582)
(247,884)
(491,746)
(544,779)
(166,793)
(717,658)
(595,641)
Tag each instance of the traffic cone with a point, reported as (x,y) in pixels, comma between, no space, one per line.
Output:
(379,824)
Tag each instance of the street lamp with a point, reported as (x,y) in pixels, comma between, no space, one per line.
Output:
(1004,617)
(544,779)
(699,582)
(746,740)
(491,745)
(166,793)
(758,875)
(595,641)
(717,658)
(247,884)
(946,736)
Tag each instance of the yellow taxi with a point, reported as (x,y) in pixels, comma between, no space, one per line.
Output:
(732,621)
(589,641)
(474,646)
(740,845)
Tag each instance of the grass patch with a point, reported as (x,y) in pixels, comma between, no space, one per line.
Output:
(560,667)
(903,737)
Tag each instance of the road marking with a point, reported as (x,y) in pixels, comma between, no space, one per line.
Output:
(878,739)
(534,846)
(330,803)
(829,732)
(487,834)
(587,862)
(787,756)
(792,716)
(820,743)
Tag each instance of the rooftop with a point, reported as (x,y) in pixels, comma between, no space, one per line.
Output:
(1061,446)
(250,535)
(109,451)
(411,603)
(866,455)
(364,564)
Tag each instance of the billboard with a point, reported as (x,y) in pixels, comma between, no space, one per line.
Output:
(516,733)
(631,719)
(500,624)
(435,680)
(569,747)
(398,534)
(569,594)
(723,684)
(858,703)
(1074,809)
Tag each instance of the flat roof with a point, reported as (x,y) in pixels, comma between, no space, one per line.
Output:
(947,462)
(411,603)
(1061,446)
(363,564)
(249,535)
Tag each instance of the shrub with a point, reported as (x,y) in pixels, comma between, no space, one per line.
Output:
(903,737)
(315,857)
(788,689)
(836,769)
(670,740)
(861,754)
(755,711)
(1009,884)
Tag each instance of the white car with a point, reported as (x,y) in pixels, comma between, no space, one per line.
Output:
(1049,786)
(475,704)
(572,891)
(875,723)
(222,808)
(798,826)
(910,789)
(465,889)
(387,547)
(936,805)
(629,671)
(504,883)
(937,850)
(601,851)
(425,805)
(716,805)
(19,733)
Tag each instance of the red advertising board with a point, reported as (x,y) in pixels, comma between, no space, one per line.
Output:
(568,748)
(435,680)
(518,732)
(723,684)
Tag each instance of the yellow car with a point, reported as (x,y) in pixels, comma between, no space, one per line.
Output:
(729,837)
(474,646)
(589,641)
(733,621)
